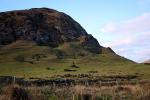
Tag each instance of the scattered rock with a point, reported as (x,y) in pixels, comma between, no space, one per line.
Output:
(70,70)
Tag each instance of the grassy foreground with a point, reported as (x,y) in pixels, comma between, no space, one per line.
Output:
(78,92)
(104,76)
(26,59)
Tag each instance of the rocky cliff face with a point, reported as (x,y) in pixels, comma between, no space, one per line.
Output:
(45,27)
(147,62)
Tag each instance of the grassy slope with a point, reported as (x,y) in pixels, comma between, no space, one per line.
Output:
(105,64)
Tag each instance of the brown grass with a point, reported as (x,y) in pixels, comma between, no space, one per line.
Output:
(77,92)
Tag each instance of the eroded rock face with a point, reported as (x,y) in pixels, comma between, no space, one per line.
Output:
(43,26)
(40,25)
(91,44)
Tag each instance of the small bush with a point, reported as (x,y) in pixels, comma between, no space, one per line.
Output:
(74,65)
(48,68)
(20,94)
(60,54)
(93,71)
(70,70)
(82,54)
(0,90)
(20,58)
(49,94)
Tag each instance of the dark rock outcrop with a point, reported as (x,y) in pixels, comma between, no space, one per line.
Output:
(91,44)
(45,27)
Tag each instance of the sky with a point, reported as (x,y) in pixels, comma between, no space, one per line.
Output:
(123,25)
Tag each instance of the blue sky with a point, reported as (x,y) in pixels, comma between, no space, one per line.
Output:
(123,25)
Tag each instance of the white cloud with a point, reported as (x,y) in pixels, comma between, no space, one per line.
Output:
(131,38)
(136,48)
(138,40)
(120,42)
(138,24)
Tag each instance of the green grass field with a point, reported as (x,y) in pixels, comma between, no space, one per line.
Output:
(41,62)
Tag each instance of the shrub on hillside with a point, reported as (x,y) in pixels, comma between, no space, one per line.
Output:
(60,54)
(20,94)
(20,58)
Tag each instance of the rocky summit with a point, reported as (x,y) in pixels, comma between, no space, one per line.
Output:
(45,27)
